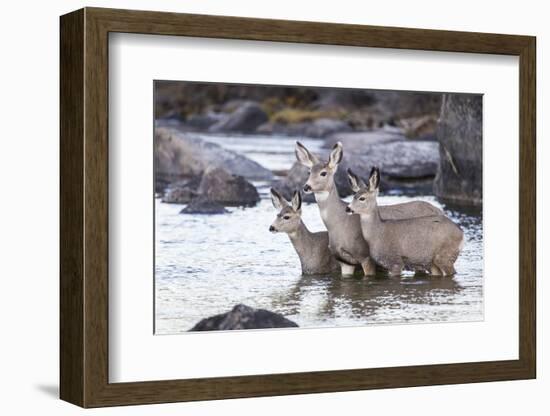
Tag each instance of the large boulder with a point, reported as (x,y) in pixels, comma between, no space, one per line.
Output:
(401,160)
(459,178)
(180,155)
(220,186)
(244,317)
(245,119)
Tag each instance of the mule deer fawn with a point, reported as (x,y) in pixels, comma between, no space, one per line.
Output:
(429,244)
(346,240)
(312,248)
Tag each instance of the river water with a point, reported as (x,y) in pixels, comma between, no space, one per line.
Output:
(206,264)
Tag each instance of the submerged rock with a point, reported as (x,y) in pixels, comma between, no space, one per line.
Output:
(459,178)
(220,186)
(202,205)
(244,317)
(245,119)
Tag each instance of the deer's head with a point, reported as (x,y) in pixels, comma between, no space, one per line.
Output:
(364,198)
(288,215)
(321,174)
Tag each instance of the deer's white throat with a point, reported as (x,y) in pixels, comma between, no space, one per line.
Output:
(321,196)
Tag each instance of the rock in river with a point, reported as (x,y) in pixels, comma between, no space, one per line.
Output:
(459,178)
(244,317)
(182,192)
(202,205)
(182,155)
(220,186)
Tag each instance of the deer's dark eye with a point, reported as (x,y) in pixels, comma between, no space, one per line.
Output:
(286,217)
(362,199)
(323,174)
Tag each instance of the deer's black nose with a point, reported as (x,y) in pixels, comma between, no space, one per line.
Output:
(307,188)
(271,228)
(348,210)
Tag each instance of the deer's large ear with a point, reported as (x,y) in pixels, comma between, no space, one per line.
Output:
(304,156)
(277,200)
(297,201)
(374,179)
(355,181)
(335,155)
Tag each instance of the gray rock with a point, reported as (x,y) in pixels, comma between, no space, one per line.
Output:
(402,159)
(355,142)
(294,180)
(459,178)
(244,317)
(316,129)
(203,121)
(283,129)
(182,155)
(246,119)
(179,195)
(220,186)
(202,205)
(182,192)
(323,127)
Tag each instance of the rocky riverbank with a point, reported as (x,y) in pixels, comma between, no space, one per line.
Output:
(423,143)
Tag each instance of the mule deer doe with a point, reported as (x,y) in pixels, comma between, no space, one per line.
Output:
(421,244)
(312,248)
(346,240)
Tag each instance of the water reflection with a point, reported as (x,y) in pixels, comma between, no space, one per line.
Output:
(364,299)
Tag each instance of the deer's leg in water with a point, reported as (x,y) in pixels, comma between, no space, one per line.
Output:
(347,269)
(436,271)
(369,267)
(444,264)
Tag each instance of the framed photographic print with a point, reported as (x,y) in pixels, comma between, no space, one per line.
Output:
(256,207)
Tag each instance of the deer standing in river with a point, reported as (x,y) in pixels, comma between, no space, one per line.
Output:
(312,248)
(429,244)
(346,241)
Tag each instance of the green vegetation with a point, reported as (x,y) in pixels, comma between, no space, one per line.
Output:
(297,115)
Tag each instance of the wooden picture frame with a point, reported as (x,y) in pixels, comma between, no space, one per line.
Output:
(84,207)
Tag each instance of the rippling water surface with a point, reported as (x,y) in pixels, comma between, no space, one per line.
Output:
(205,264)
